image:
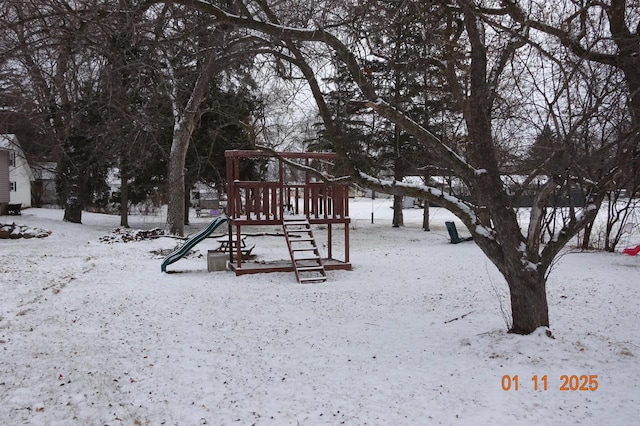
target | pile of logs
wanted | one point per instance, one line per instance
(120, 235)
(13, 231)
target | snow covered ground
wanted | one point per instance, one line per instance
(92, 333)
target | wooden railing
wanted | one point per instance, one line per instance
(269, 202)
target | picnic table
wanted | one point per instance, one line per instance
(228, 245)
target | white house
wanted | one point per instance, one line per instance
(4, 178)
(20, 176)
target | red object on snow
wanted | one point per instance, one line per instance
(632, 251)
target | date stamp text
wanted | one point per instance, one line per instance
(588, 383)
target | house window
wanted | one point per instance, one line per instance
(13, 186)
(12, 158)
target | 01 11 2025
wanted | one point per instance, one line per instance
(567, 382)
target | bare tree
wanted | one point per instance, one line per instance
(600, 32)
(474, 58)
(194, 62)
(47, 43)
(130, 77)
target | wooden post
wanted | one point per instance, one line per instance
(238, 248)
(329, 242)
(281, 189)
(346, 243)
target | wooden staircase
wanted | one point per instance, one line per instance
(303, 250)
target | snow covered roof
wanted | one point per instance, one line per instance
(9, 141)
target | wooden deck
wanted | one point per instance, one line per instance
(253, 267)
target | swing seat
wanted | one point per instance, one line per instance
(453, 234)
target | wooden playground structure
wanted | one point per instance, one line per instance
(294, 199)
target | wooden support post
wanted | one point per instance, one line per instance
(238, 248)
(346, 243)
(329, 242)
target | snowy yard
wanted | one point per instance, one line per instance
(92, 333)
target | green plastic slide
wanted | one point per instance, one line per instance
(188, 245)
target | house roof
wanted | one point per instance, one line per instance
(8, 141)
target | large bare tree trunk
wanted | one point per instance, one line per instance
(177, 157)
(398, 217)
(425, 216)
(183, 129)
(528, 299)
(528, 305)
